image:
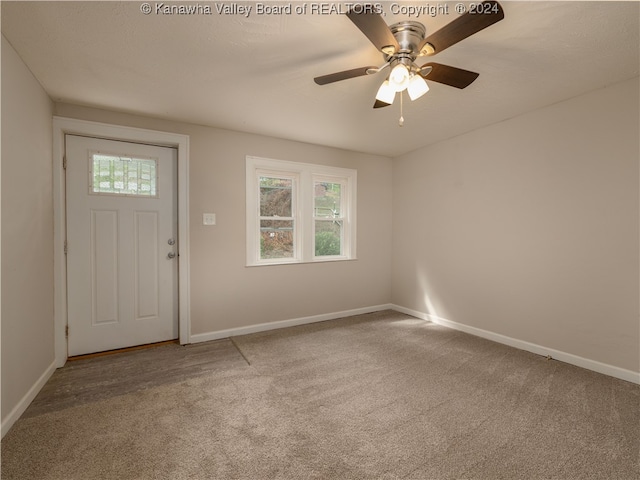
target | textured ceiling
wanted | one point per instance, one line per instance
(255, 73)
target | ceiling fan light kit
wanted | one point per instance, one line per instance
(403, 42)
(417, 87)
(386, 93)
(399, 77)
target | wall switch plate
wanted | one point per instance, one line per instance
(208, 218)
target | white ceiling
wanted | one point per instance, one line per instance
(256, 74)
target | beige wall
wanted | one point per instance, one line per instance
(226, 294)
(529, 228)
(27, 231)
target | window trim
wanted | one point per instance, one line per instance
(304, 222)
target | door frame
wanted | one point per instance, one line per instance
(68, 126)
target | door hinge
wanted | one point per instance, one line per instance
(64, 162)
(66, 331)
(66, 247)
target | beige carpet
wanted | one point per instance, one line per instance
(378, 396)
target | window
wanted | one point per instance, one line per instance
(121, 175)
(298, 212)
(328, 219)
(277, 221)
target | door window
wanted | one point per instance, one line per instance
(122, 175)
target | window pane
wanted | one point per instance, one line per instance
(275, 197)
(327, 199)
(328, 238)
(114, 174)
(276, 239)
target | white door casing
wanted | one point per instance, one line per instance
(122, 268)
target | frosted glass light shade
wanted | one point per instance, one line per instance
(417, 87)
(399, 77)
(386, 93)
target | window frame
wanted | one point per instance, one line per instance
(295, 215)
(305, 176)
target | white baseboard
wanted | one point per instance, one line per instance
(22, 405)
(263, 327)
(617, 372)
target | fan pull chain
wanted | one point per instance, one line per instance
(401, 121)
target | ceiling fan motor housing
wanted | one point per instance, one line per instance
(409, 36)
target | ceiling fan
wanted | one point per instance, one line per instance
(403, 42)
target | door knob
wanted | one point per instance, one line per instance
(171, 255)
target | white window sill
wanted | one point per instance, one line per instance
(299, 262)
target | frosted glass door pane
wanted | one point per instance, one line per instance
(118, 175)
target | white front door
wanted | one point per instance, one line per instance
(122, 268)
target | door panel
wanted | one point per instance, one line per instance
(121, 229)
(146, 265)
(104, 266)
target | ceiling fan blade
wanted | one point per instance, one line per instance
(482, 16)
(452, 76)
(380, 104)
(336, 77)
(374, 27)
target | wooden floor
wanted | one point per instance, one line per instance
(98, 376)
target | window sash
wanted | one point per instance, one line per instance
(324, 239)
(261, 255)
(341, 218)
(277, 237)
